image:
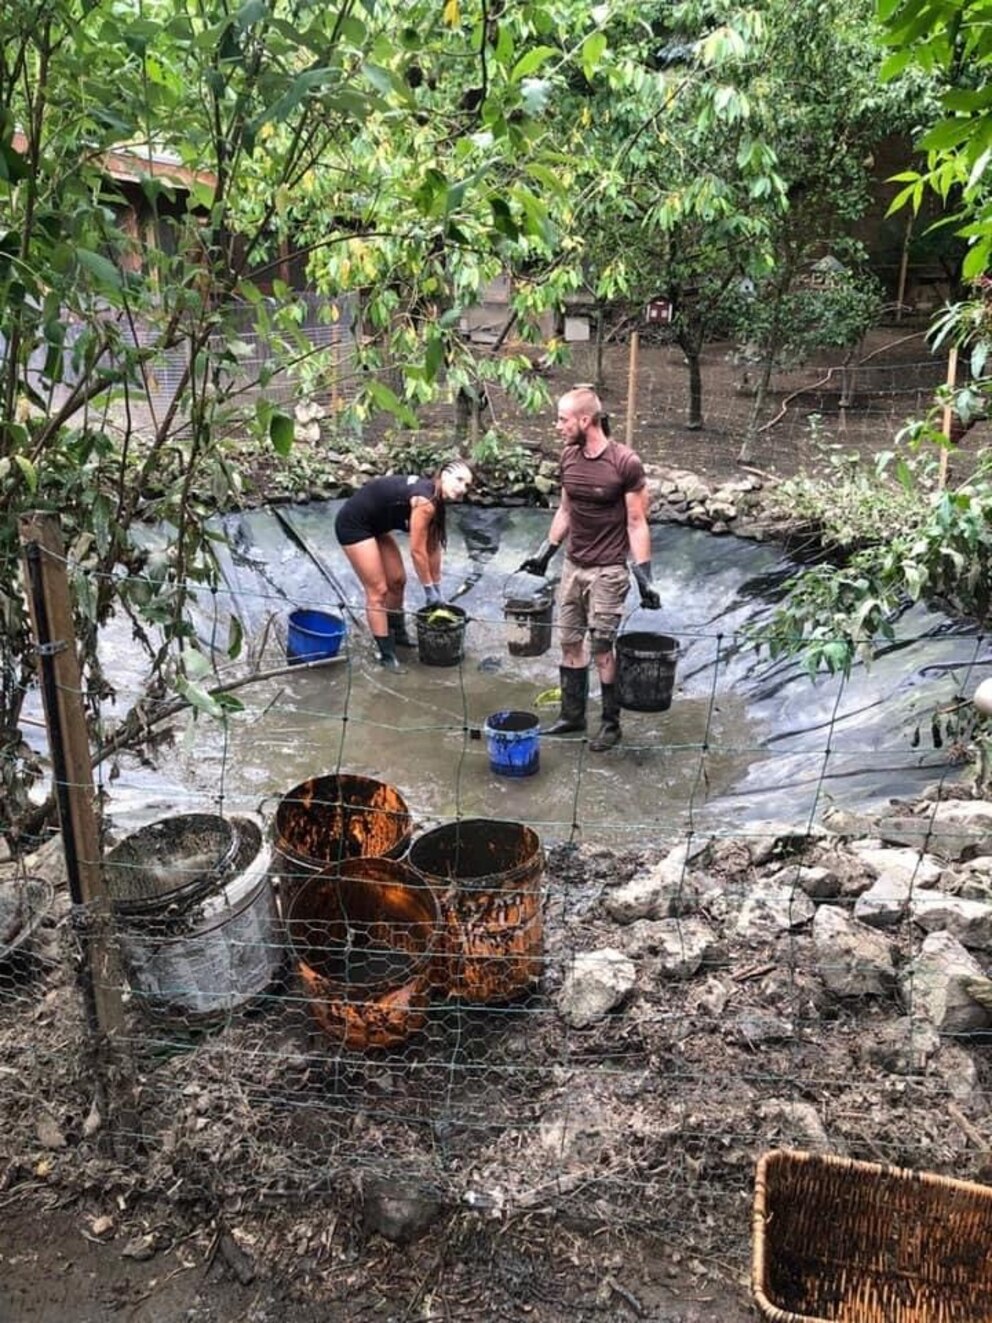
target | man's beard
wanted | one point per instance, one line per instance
(579, 439)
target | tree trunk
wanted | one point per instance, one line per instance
(464, 408)
(761, 391)
(695, 422)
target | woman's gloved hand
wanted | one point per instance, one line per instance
(649, 594)
(432, 594)
(538, 563)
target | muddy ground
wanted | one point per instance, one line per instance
(604, 1173)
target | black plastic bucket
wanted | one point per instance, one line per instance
(331, 818)
(528, 605)
(646, 671)
(441, 635)
(487, 874)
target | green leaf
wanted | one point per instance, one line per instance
(281, 433)
(532, 61)
(103, 272)
(592, 52)
(235, 638)
(195, 664)
(28, 472)
(198, 698)
(433, 358)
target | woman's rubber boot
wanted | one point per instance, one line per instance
(397, 629)
(609, 731)
(574, 694)
(387, 654)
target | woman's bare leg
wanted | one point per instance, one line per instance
(392, 564)
(366, 560)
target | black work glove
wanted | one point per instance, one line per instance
(538, 564)
(649, 594)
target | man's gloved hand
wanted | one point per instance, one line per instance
(649, 594)
(432, 594)
(538, 564)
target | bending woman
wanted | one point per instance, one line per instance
(365, 525)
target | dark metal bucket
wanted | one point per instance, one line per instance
(487, 874)
(328, 819)
(363, 937)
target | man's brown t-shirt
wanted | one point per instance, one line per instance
(596, 489)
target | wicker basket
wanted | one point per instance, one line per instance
(840, 1241)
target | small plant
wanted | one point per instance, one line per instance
(505, 462)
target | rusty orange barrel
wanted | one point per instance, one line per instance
(324, 821)
(487, 875)
(363, 936)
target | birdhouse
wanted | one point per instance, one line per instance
(659, 312)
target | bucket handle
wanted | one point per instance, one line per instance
(629, 616)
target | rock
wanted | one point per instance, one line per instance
(49, 862)
(399, 1209)
(721, 510)
(898, 864)
(819, 883)
(767, 839)
(665, 891)
(960, 828)
(102, 1227)
(595, 983)
(884, 904)
(771, 908)
(970, 921)
(902, 1046)
(852, 960)
(933, 986)
(955, 1065)
(712, 997)
(141, 1248)
(799, 1121)
(49, 1132)
(681, 945)
(754, 1027)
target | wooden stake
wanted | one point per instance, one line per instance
(51, 618)
(904, 267)
(635, 340)
(948, 419)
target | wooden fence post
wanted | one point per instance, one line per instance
(635, 341)
(51, 617)
(947, 422)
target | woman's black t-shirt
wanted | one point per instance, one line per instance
(381, 506)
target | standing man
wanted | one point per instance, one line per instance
(602, 520)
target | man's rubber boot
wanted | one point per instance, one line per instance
(397, 629)
(609, 731)
(574, 693)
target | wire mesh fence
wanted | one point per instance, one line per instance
(351, 947)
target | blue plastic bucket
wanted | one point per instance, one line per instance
(514, 743)
(313, 636)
